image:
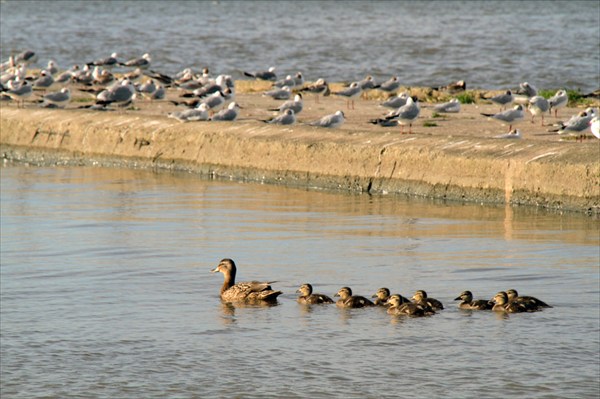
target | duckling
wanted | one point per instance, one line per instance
(307, 297)
(467, 302)
(381, 297)
(502, 304)
(347, 300)
(398, 307)
(253, 291)
(530, 302)
(421, 298)
(383, 294)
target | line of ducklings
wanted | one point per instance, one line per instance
(421, 304)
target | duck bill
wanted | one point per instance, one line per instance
(457, 298)
(216, 269)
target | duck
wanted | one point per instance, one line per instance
(382, 296)
(501, 304)
(421, 298)
(467, 302)
(347, 300)
(530, 302)
(398, 307)
(252, 291)
(308, 298)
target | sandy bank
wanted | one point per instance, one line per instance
(456, 159)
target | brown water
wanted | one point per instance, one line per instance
(106, 292)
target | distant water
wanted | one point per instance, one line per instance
(490, 44)
(105, 292)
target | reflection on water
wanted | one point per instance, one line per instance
(106, 273)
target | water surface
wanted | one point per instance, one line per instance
(106, 292)
(490, 44)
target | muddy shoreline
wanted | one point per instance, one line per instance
(441, 162)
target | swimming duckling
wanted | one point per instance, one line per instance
(381, 297)
(421, 298)
(383, 294)
(398, 307)
(347, 300)
(307, 297)
(530, 302)
(467, 302)
(501, 304)
(252, 291)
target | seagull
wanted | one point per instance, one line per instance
(390, 85)
(52, 68)
(143, 62)
(26, 57)
(406, 114)
(513, 134)
(350, 93)
(290, 81)
(215, 101)
(510, 116)
(277, 93)
(21, 92)
(319, 87)
(196, 114)
(577, 123)
(121, 95)
(525, 93)
(595, 126)
(538, 105)
(108, 62)
(228, 114)
(288, 117)
(396, 101)
(44, 81)
(330, 121)
(503, 99)
(263, 75)
(451, 106)
(58, 99)
(296, 105)
(159, 94)
(557, 101)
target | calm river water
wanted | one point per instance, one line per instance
(106, 292)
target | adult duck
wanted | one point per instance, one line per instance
(308, 298)
(252, 291)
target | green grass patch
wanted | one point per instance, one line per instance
(466, 98)
(429, 124)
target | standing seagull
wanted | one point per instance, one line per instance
(20, 93)
(405, 115)
(538, 105)
(510, 116)
(350, 93)
(319, 87)
(557, 101)
(595, 126)
(503, 99)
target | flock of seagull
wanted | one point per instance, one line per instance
(204, 98)
(420, 304)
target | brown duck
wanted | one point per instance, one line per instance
(252, 291)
